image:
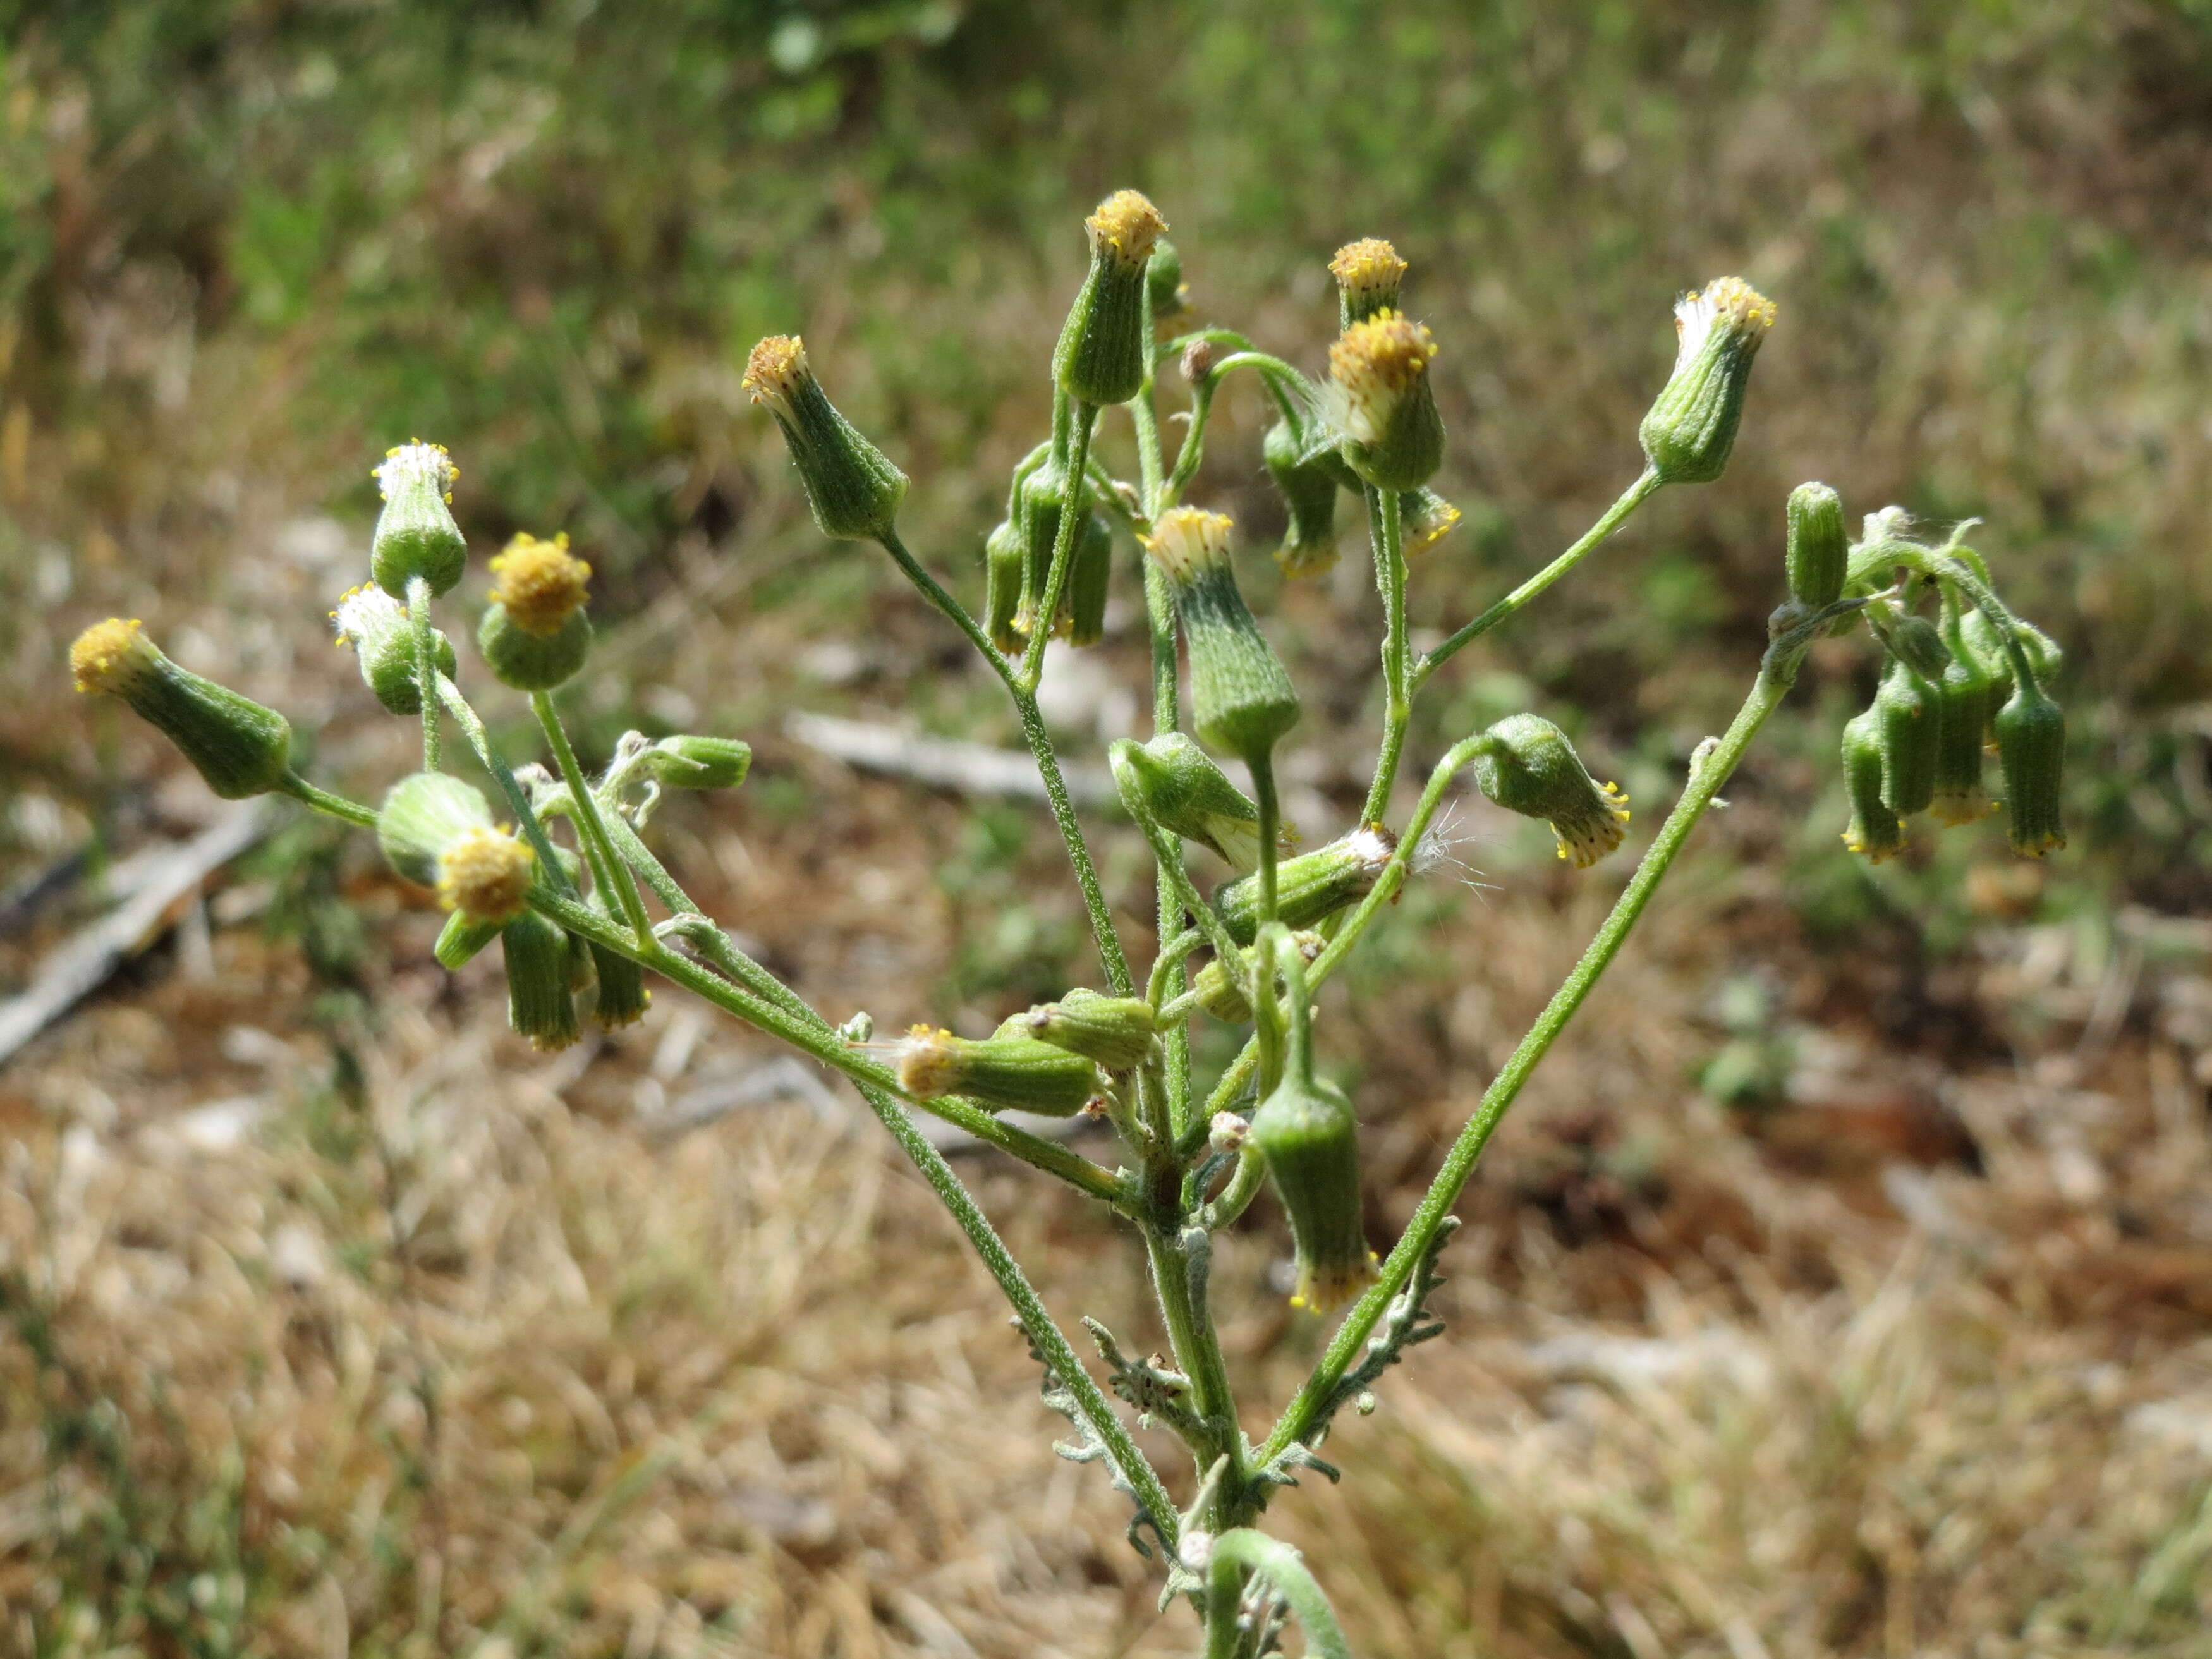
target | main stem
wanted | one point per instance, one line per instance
(426, 665)
(1704, 783)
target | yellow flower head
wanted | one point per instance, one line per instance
(1188, 539)
(485, 876)
(1368, 273)
(1375, 364)
(1728, 304)
(540, 585)
(929, 1063)
(1124, 227)
(776, 372)
(112, 656)
(417, 460)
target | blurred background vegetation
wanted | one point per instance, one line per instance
(246, 245)
(261, 240)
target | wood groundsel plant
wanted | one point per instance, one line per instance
(557, 870)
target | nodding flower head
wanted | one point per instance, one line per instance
(1874, 832)
(1368, 275)
(1125, 229)
(851, 485)
(376, 626)
(238, 747)
(1380, 396)
(1693, 423)
(1427, 519)
(1527, 766)
(484, 876)
(1308, 488)
(540, 583)
(416, 535)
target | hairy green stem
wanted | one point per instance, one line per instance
(1704, 783)
(1103, 932)
(555, 874)
(807, 1030)
(1271, 829)
(426, 665)
(1614, 517)
(1386, 532)
(608, 870)
(322, 800)
(1197, 1349)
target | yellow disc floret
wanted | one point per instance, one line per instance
(110, 655)
(1727, 303)
(1375, 364)
(1368, 268)
(416, 459)
(1188, 539)
(1126, 226)
(541, 585)
(485, 876)
(775, 371)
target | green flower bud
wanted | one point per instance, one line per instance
(241, 747)
(1004, 568)
(1368, 273)
(1114, 1031)
(1526, 766)
(1425, 519)
(1381, 400)
(416, 535)
(1963, 695)
(376, 626)
(460, 938)
(1310, 1140)
(1919, 643)
(1242, 700)
(1103, 352)
(1310, 492)
(1164, 281)
(1874, 833)
(1910, 718)
(1693, 423)
(540, 1002)
(851, 487)
(2031, 732)
(1090, 580)
(1017, 1073)
(536, 635)
(1818, 546)
(692, 761)
(1312, 887)
(621, 997)
(437, 831)
(1174, 783)
(1219, 995)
